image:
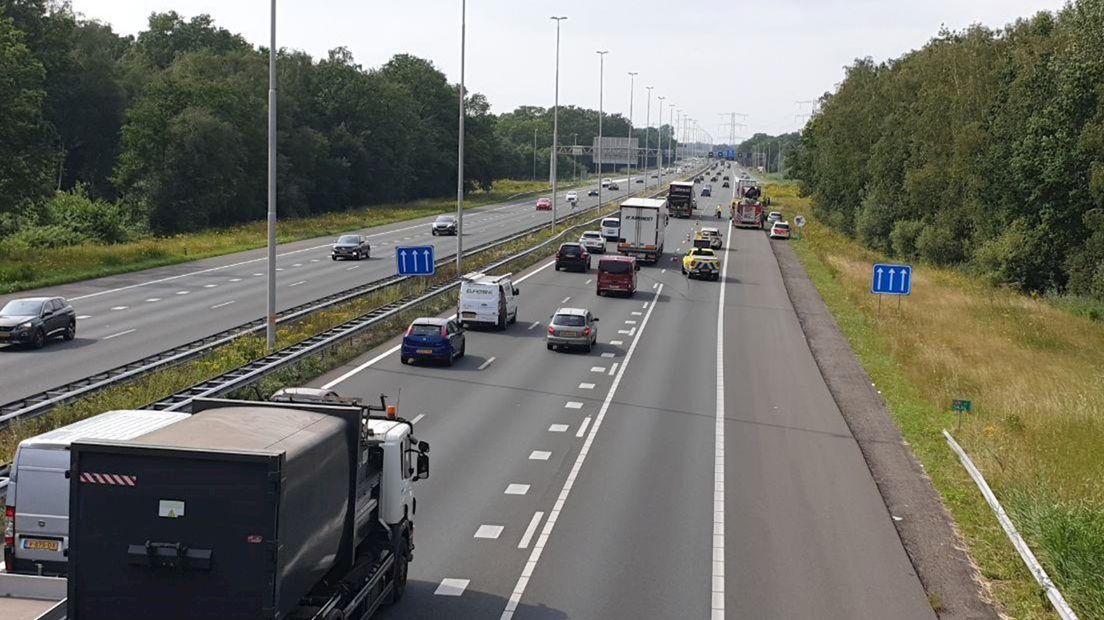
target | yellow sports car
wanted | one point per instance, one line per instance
(702, 263)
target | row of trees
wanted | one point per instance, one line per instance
(104, 136)
(985, 148)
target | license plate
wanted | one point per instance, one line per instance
(468, 315)
(4, 335)
(569, 334)
(41, 545)
(425, 351)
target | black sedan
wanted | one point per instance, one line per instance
(351, 246)
(444, 225)
(613, 186)
(35, 320)
(592, 192)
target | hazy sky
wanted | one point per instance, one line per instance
(707, 57)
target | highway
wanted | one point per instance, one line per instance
(128, 317)
(694, 465)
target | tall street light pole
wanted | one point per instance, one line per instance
(534, 178)
(601, 88)
(670, 136)
(460, 147)
(574, 158)
(270, 324)
(631, 152)
(659, 142)
(556, 122)
(647, 131)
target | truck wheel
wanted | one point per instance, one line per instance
(398, 584)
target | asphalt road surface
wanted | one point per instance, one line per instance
(127, 317)
(694, 465)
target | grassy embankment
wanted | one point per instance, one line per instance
(1035, 374)
(35, 268)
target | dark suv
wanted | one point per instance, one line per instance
(572, 256)
(33, 321)
(351, 246)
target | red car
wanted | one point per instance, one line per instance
(544, 204)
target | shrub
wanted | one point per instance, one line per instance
(92, 219)
(49, 236)
(873, 225)
(1019, 256)
(904, 237)
(939, 245)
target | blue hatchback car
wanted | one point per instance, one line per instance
(433, 339)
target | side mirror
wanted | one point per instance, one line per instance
(595, 319)
(423, 466)
(517, 291)
(423, 446)
(636, 267)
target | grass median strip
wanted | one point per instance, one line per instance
(160, 384)
(1032, 371)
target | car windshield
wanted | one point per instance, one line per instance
(615, 266)
(782, 226)
(21, 307)
(348, 239)
(424, 329)
(569, 249)
(445, 219)
(592, 235)
(611, 223)
(569, 320)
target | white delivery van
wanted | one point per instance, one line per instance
(611, 228)
(38, 492)
(487, 300)
(643, 225)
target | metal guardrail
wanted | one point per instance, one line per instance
(43, 402)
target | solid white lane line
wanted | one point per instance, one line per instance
(613, 369)
(539, 455)
(117, 308)
(417, 418)
(81, 317)
(129, 331)
(597, 369)
(452, 587)
(223, 304)
(553, 515)
(532, 529)
(586, 386)
(535, 323)
(583, 427)
(395, 348)
(486, 363)
(297, 283)
(718, 592)
(517, 489)
(607, 355)
(491, 532)
(574, 405)
(558, 428)
(153, 299)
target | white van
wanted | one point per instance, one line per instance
(611, 228)
(38, 492)
(487, 300)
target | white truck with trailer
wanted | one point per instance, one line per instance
(643, 225)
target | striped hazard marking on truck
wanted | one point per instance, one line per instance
(118, 480)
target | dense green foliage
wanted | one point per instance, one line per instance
(107, 138)
(985, 148)
(772, 153)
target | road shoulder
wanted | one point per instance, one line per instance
(923, 523)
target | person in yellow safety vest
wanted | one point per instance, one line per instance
(719, 210)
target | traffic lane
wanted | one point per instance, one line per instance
(116, 330)
(633, 540)
(484, 427)
(806, 532)
(98, 286)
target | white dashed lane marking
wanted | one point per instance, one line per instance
(557, 428)
(597, 369)
(452, 587)
(153, 299)
(117, 308)
(490, 532)
(82, 317)
(539, 455)
(535, 323)
(222, 305)
(586, 386)
(123, 333)
(607, 355)
(209, 285)
(182, 292)
(574, 405)
(517, 489)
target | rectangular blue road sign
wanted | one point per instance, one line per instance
(891, 279)
(415, 260)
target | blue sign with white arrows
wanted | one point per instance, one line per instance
(891, 279)
(415, 260)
